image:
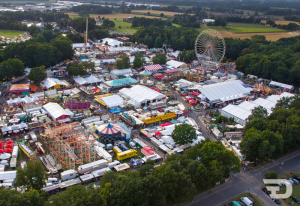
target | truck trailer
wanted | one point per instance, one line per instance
(90, 167)
(68, 175)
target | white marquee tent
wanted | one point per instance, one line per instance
(139, 94)
(225, 91)
(113, 101)
(241, 112)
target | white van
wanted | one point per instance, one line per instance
(113, 164)
(53, 180)
(246, 201)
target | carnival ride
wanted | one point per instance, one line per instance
(70, 143)
(210, 47)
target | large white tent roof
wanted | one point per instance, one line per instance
(8, 175)
(175, 64)
(113, 101)
(243, 110)
(224, 91)
(92, 79)
(118, 72)
(80, 80)
(50, 82)
(141, 93)
(55, 110)
(282, 85)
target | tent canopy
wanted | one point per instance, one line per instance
(113, 101)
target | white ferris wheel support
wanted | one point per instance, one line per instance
(210, 47)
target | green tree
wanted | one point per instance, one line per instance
(258, 112)
(78, 195)
(40, 39)
(31, 177)
(76, 38)
(160, 59)
(184, 134)
(126, 62)
(120, 64)
(11, 68)
(108, 68)
(161, 15)
(137, 62)
(37, 74)
(63, 44)
(158, 42)
(271, 175)
(82, 69)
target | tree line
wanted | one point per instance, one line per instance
(267, 137)
(176, 181)
(179, 38)
(33, 16)
(277, 60)
(92, 9)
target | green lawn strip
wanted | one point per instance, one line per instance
(258, 202)
(11, 33)
(251, 28)
(176, 25)
(296, 189)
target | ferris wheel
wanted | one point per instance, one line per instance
(210, 47)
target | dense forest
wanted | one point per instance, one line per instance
(176, 181)
(267, 137)
(47, 49)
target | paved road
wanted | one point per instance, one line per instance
(194, 116)
(248, 182)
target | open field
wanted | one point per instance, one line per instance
(125, 26)
(283, 22)
(269, 36)
(296, 188)
(111, 16)
(10, 33)
(168, 13)
(250, 12)
(251, 28)
(258, 202)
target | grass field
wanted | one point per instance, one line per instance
(10, 33)
(283, 22)
(250, 12)
(125, 26)
(296, 188)
(251, 28)
(258, 202)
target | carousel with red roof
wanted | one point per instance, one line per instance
(108, 133)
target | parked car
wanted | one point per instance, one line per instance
(266, 191)
(295, 199)
(291, 181)
(276, 201)
(250, 198)
(295, 181)
(296, 177)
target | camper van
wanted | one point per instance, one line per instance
(53, 180)
(126, 154)
(246, 201)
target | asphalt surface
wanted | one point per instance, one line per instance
(248, 182)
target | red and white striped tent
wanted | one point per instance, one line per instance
(108, 129)
(154, 67)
